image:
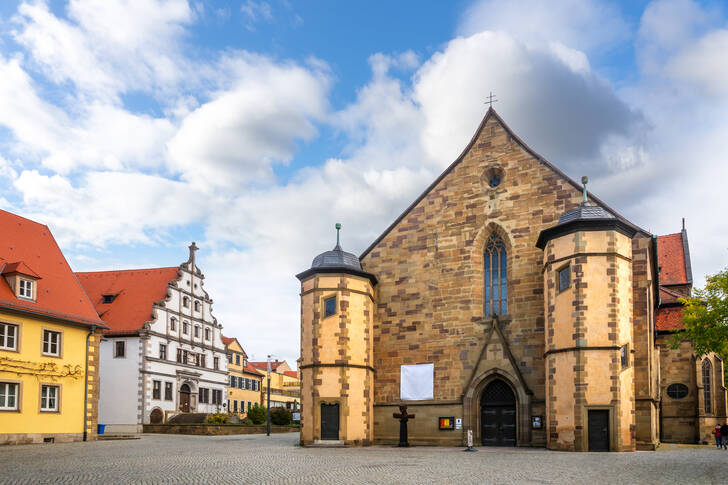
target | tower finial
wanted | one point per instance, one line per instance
(193, 248)
(338, 228)
(584, 181)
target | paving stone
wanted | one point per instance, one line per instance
(277, 459)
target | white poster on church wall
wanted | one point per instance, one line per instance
(417, 382)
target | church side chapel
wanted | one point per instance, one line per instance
(510, 304)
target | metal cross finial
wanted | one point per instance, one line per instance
(584, 181)
(491, 99)
(338, 228)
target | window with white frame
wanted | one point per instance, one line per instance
(9, 396)
(25, 289)
(49, 397)
(8, 336)
(51, 343)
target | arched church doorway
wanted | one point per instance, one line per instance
(498, 414)
(184, 398)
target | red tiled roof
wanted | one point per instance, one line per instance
(24, 243)
(671, 259)
(252, 370)
(227, 340)
(136, 291)
(21, 268)
(669, 318)
(264, 365)
(291, 373)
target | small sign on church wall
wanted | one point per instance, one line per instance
(458, 423)
(536, 422)
(447, 422)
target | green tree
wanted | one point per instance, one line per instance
(705, 317)
(280, 416)
(257, 414)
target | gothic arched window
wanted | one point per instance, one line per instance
(496, 288)
(706, 386)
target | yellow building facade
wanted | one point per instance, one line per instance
(49, 341)
(285, 390)
(244, 388)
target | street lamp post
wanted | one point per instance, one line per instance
(267, 426)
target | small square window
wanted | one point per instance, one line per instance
(329, 306)
(8, 336)
(51, 343)
(49, 398)
(25, 289)
(564, 278)
(108, 299)
(119, 349)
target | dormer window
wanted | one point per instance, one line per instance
(108, 299)
(25, 288)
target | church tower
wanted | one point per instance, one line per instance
(337, 377)
(587, 271)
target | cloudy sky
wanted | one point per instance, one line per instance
(132, 127)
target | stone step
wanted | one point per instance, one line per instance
(328, 444)
(119, 436)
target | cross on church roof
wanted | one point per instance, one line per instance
(491, 99)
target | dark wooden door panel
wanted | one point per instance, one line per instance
(598, 430)
(498, 425)
(329, 421)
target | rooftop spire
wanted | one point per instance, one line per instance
(584, 181)
(491, 99)
(338, 245)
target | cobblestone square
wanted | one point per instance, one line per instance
(257, 459)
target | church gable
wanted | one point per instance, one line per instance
(430, 264)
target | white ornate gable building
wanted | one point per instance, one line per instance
(163, 353)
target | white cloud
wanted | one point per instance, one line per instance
(108, 47)
(256, 122)
(586, 24)
(255, 12)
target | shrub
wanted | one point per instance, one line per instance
(257, 414)
(280, 416)
(218, 418)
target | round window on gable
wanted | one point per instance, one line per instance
(677, 391)
(492, 177)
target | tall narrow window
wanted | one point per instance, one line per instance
(162, 351)
(496, 291)
(8, 336)
(173, 324)
(51, 343)
(216, 363)
(706, 386)
(156, 389)
(119, 349)
(167, 391)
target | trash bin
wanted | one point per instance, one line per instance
(100, 428)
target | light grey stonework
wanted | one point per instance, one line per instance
(277, 459)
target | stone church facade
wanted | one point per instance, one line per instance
(536, 302)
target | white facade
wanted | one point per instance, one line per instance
(180, 353)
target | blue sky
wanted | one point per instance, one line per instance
(132, 128)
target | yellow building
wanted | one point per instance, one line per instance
(245, 381)
(285, 387)
(48, 340)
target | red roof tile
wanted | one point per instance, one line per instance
(264, 365)
(136, 291)
(26, 243)
(21, 268)
(227, 340)
(291, 373)
(669, 318)
(252, 370)
(671, 259)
